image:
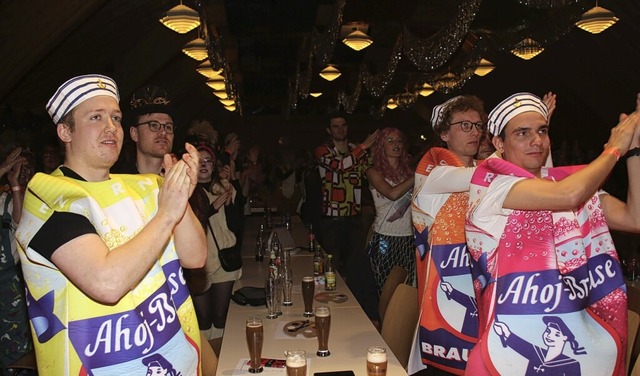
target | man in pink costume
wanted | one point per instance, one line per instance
(550, 291)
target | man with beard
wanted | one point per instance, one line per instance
(152, 129)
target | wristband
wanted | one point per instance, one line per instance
(633, 153)
(613, 151)
(17, 188)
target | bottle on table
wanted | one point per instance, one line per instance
(329, 274)
(318, 262)
(260, 244)
(312, 238)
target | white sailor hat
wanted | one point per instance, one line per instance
(515, 104)
(436, 114)
(77, 90)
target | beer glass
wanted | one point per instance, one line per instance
(376, 361)
(287, 282)
(308, 290)
(296, 363)
(323, 325)
(271, 297)
(255, 337)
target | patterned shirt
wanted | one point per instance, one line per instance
(341, 176)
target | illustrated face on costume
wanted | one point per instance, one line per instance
(205, 170)
(526, 142)
(97, 137)
(463, 143)
(393, 145)
(338, 129)
(150, 143)
(552, 337)
(156, 371)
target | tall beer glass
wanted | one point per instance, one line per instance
(255, 335)
(308, 289)
(323, 325)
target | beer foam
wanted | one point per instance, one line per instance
(377, 357)
(322, 313)
(254, 324)
(296, 361)
(307, 279)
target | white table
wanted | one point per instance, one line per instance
(351, 330)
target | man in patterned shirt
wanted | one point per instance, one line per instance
(342, 166)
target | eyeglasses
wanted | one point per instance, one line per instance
(154, 126)
(466, 125)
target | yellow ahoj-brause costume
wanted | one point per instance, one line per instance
(154, 325)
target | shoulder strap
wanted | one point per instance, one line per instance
(6, 225)
(213, 234)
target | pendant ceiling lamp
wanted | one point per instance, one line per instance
(330, 73)
(217, 83)
(527, 49)
(596, 20)
(196, 49)
(315, 94)
(181, 19)
(230, 108)
(357, 40)
(221, 94)
(426, 90)
(227, 102)
(485, 67)
(392, 104)
(206, 69)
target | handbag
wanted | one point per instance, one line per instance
(253, 296)
(230, 258)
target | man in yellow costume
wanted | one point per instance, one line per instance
(103, 254)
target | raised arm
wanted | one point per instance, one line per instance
(387, 190)
(107, 275)
(625, 216)
(568, 193)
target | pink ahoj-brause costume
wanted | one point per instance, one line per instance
(539, 273)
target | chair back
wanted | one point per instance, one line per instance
(400, 322)
(633, 322)
(396, 276)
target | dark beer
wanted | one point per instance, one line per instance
(308, 289)
(323, 325)
(255, 336)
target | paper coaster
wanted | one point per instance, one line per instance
(306, 328)
(331, 296)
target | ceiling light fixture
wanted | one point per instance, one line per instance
(426, 90)
(484, 67)
(596, 20)
(392, 104)
(357, 40)
(527, 49)
(221, 94)
(181, 19)
(227, 102)
(196, 49)
(230, 108)
(217, 83)
(316, 94)
(330, 73)
(206, 69)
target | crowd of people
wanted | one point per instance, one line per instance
(515, 267)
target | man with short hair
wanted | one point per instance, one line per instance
(541, 249)
(448, 313)
(151, 117)
(102, 254)
(342, 167)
